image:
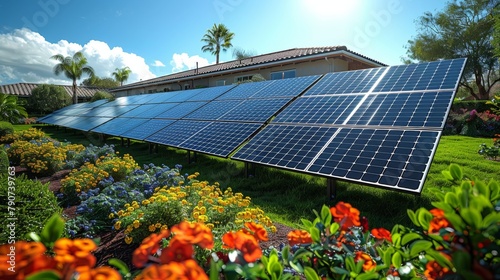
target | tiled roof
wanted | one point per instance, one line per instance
(24, 90)
(296, 53)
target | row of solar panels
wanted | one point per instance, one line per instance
(379, 126)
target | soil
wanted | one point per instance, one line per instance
(111, 244)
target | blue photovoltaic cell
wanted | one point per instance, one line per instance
(219, 138)
(111, 111)
(292, 147)
(443, 74)
(390, 158)
(123, 101)
(118, 126)
(145, 128)
(213, 110)
(162, 97)
(149, 110)
(331, 109)
(211, 93)
(177, 132)
(358, 81)
(184, 95)
(244, 90)
(59, 120)
(417, 109)
(181, 110)
(85, 123)
(255, 110)
(286, 87)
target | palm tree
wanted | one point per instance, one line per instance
(121, 75)
(10, 110)
(73, 68)
(218, 38)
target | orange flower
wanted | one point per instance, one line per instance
(257, 230)
(177, 251)
(245, 243)
(189, 270)
(194, 233)
(382, 233)
(368, 264)
(345, 215)
(75, 252)
(438, 222)
(101, 273)
(150, 245)
(28, 257)
(434, 271)
(299, 236)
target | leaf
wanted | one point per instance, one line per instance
(472, 217)
(368, 276)
(310, 273)
(214, 271)
(285, 253)
(315, 234)
(35, 237)
(490, 219)
(424, 217)
(441, 260)
(120, 265)
(334, 228)
(52, 230)
(482, 188)
(307, 223)
(397, 260)
(44, 275)
(410, 237)
(413, 217)
(326, 216)
(461, 261)
(456, 172)
(452, 199)
(419, 246)
(494, 190)
(447, 175)
(273, 266)
(350, 265)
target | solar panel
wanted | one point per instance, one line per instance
(108, 111)
(417, 109)
(213, 110)
(55, 119)
(332, 109)
(244, 90)
(286, 87)
(117, 126)
(144, 128)
(255, 110)
(184, 95)
(181, 110)
(85, 123)
(149, 110)
(219, 138)
(211, 93)
(346, 82)
(287, 146)
(177, 132)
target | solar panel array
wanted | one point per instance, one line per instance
(377, 126)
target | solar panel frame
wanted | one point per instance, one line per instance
(255, 110)
(213, 110)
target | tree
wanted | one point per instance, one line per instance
(73, 68)
(121, 75)
(463, 29)
(102, 95)
(239, 54)
(496, 32)
(100, 82)
(217, 38)
(48, 98)
(10, 110)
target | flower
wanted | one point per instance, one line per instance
(434, 271)
(299, 236)
(245, 243)
(177, 251)
(103, 272)
(382, 233)
(149, 245)
(438, 222)
(194, 233)
(369, 263)
(189, 270)
(75, 252)
(345, 215)
(258, 231)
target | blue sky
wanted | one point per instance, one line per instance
(157, 37)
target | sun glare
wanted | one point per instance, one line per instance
(336, 8)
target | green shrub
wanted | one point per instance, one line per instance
(46, 99)
(4, 162)
(102, 95)
(29, 202)
(469, 105)
(6, 128)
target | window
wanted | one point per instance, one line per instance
(283, 74)
(220, 83)
(242, 78)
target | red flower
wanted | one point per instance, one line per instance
(299, 236)
(257, 230)
(434, 271)
(438, 222)
(369, 263)
(345, 215)
(177, 251)
(150, 245)
(382, 233)
(364, 224)
(245, 243)
(194, 233)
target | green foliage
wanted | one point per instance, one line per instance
(492, 152)
(10, 109)
(4, 162)
(102, 95)
(495, 104)
(217, 39)
(46, 99)
(29, 202)
(462, 29)
(98, 82)
(121, 75)
(6, 128)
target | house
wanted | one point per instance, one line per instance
(290, 63)
(23, 90)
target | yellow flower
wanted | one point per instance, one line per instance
(145, 202)
(157, 225)
(128, 239)
(111, 215)
(117, 225)
(152, 228)
(136, 223)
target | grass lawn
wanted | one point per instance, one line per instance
(287, 196)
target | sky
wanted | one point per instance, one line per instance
(157, 37)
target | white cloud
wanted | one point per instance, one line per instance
(25, 57)
(183, 61)
(158, 64)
